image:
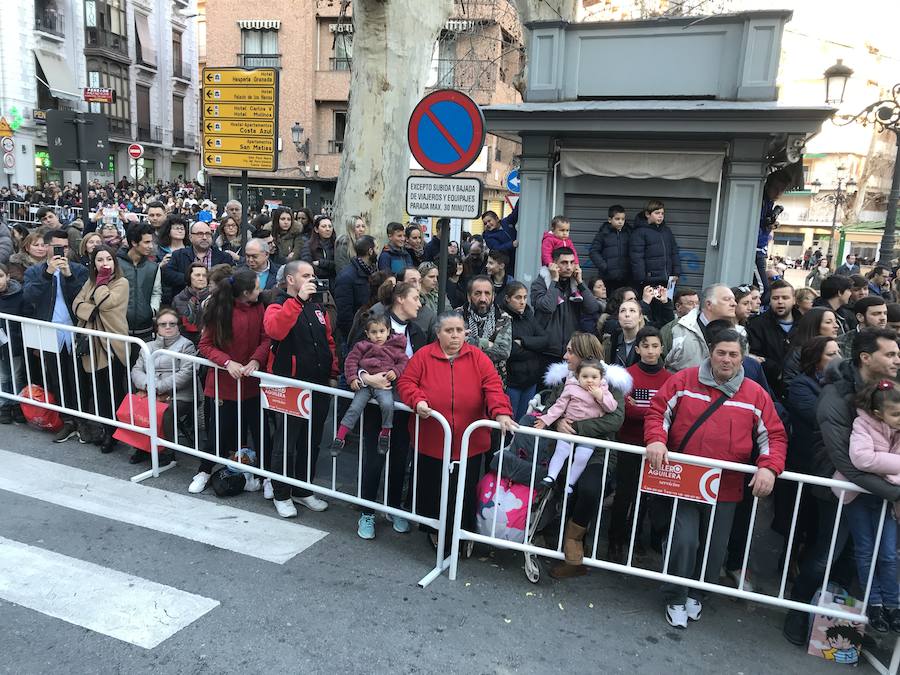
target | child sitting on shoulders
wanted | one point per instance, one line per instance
(379, 353)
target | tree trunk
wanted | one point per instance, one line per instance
(393, 43)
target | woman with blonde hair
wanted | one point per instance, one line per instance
(618, 346)
(344, 248)
(804, 299)
(32, 252)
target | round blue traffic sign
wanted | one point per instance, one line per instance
(446, 132)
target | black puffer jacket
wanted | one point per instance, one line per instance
(524, 363)
(653, 252)
(610, 253)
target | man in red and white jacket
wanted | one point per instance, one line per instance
(745, 421)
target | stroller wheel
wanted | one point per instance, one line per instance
(532, 568)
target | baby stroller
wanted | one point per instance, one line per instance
(505, 497)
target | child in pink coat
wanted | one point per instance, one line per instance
(583, 398)
(557, 237)
(875, 448)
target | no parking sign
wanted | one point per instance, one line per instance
(446, 132)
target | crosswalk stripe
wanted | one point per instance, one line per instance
(123, 606)
(226, 527)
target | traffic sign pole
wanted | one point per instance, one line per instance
(245, 202)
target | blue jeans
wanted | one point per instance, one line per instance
(12, 376)
(519, 398)
(863, 514)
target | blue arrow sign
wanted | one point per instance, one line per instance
(512, 182)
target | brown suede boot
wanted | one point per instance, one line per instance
(573, 547)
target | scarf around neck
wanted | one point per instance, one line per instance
(481, 326)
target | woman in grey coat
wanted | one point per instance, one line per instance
(173, 379)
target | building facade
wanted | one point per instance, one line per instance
(144, 50)
(311, 42)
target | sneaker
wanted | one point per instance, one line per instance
(285, 508)
(68, 431)
(735, 577)
(252, 483)
(139, 456)
(401, 525)
(384, 444)
(6, 416)
(878, 619)
(366, 526)
(268, 490)
(336, 446)
(677, 616)
(694, 609)
(198, 484)
(796, 628)
(312, 502)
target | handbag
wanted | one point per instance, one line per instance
(82, 343)
(136, 410)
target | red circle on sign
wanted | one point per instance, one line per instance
(135, 151)
(303, 402)
(469, 154)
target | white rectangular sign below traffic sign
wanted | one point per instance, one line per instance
(443, 197)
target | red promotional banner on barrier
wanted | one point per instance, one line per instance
(682, 480)
(291, 400)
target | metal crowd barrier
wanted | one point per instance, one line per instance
(42, 354)
(591, 559)
(26, 213)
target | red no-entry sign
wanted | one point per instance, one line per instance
(135, 151)
(446, 132)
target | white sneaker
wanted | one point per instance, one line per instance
(285, 508)
(677, 616)
(312, 502)
(693, 608)
(268, 490)
(198, 484)
(251, 483)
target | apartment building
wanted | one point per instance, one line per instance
(311, 42)
(143, 50)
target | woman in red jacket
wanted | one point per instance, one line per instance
(233, 338)
(460, 382)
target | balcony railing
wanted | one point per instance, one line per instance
(259, 60)
(150, 133)
(49, 21)
(182, 69)
(180, 139)
(465, 74)
(335, 147)
(95, 39)
(339, 63)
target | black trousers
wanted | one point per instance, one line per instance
(222, 422)
(108, 398)
(628, 475)
(295, 439)
(397, 459)
(815, 558)
(587, 495)
(428, 490)
(59, 379)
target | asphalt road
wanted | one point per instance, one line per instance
(340, 604)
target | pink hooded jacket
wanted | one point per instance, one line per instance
(875, 448)
(576, 403)
(550, 242)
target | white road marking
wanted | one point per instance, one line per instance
(226, 527)
(123, 606)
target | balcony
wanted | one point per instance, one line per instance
(337, 63)
(259, 60)
(469, 75)
(335, 147)
(182, 70)
(116, 45)
(50, 21)
(152, 134)
(180, 139)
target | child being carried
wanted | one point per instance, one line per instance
(583, 398)
(379, 353)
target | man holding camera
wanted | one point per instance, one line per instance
(302, 348)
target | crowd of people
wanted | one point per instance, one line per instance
(777, 376)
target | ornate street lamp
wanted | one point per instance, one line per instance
(885, 116)
(301, 147)
(843, 193)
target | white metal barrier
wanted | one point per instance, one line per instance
(591, 559)
(281, 474)
(44, 364)
(26, 213)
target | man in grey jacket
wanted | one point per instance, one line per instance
(875, 356)
(686, 345)
(489, 327)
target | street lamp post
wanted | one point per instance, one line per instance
(842, 194)
(885, 116)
